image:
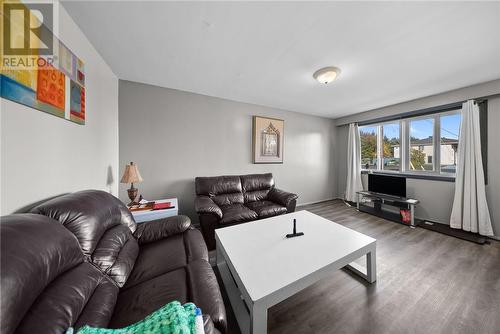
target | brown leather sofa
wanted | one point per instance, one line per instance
(81, 259)
(229, 200)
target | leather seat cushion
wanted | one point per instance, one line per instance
(194, 283)
(257, 195)
(254, 182)
(236, 213)
(163, 256)
(228, 199)
(266, 208)
(136, 303)
(216, 185)
(256, 186)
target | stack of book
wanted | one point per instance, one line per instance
(149, 206)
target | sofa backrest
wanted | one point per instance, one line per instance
(225, 190)
(256, 186)
(103, 226)
(46, 284)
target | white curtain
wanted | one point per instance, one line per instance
(353, 164)
(470, 210)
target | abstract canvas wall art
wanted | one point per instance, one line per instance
(54, 83)
(268, 138)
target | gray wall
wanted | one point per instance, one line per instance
(43, 156)
(437, 196)
(175, 136)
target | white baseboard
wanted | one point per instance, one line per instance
(497, 238)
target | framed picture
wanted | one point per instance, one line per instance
(267, 140)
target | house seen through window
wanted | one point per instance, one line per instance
(424, 144)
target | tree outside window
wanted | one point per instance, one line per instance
(368, 137)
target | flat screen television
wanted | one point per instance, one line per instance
(387, 184)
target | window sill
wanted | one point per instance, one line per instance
(433, 177)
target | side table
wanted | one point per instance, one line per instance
(144, 216)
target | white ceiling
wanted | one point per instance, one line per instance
(266, 52)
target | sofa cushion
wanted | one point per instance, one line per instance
(228, 199)
(137, 302)
(236, 213)
(167, 255)
(223, 190)
(194, 283)
(266, 208)
(256, 186)
(216, 185)
(103, 226)
(46, 285)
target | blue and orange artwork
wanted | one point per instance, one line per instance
(13, 86)
(55, 87)
(77, 103)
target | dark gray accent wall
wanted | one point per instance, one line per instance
(175, 136)
(437, 196)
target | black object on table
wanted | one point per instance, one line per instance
(295, 233)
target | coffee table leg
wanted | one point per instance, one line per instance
(368, 272)
(258, 323)
(371, 265)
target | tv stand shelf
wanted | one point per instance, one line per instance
(379, 199)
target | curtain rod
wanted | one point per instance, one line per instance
(425, 111)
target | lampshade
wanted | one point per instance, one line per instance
(131, 174)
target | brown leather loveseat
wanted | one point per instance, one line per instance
(228, 200)
(81, 259)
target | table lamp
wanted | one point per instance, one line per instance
(131, 175)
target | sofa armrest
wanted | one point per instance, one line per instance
(281, 197)
(161, 228)
(204, 204)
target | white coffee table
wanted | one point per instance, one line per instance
(260, 267)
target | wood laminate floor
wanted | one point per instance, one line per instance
(426, 283)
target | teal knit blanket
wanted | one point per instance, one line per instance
(172, 318)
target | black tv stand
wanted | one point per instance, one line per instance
(379, 199)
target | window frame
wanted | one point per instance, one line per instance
(377, 133)
(435, 124)
(380, 146)
(404, 146)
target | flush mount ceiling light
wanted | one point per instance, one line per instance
(326, 75)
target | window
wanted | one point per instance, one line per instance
(368, 136)
(421, 144)
(424, 144)
(391, 152)
(449, 129)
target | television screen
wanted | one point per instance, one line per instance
(386, 184)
